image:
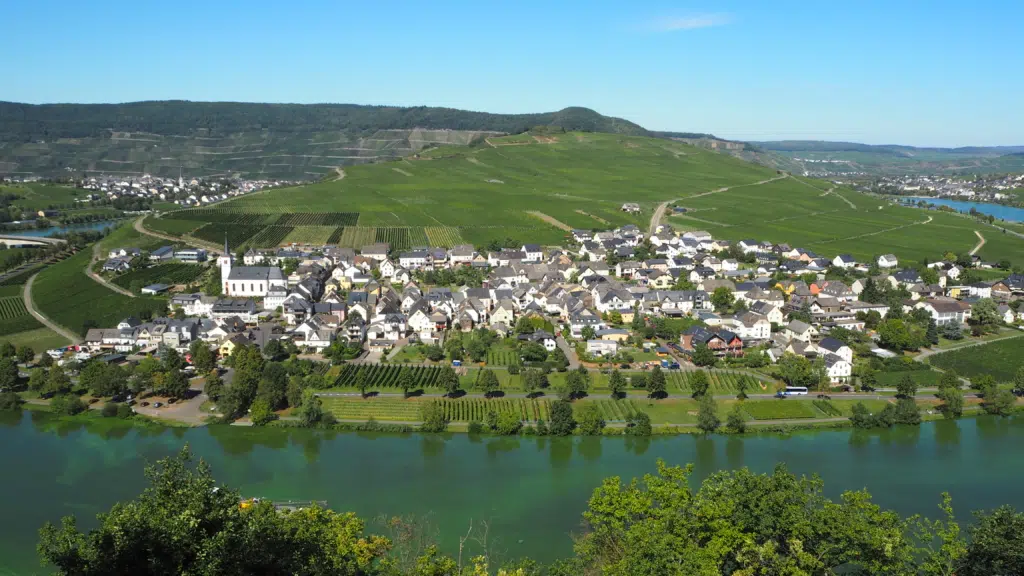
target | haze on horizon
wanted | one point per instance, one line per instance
(935, 74)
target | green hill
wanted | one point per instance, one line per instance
(532, 188)
(289, 141)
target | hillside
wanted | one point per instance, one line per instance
(854, 159)
(289, 141)
(524, 188)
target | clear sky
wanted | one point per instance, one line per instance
(927, 73)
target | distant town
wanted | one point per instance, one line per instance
(974, 188)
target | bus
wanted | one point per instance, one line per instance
(796, 391)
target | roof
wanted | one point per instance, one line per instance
(255, 273)
(831, 344)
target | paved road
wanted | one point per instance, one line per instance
(32, 239)
(26, 295)
(570, 352)
(88, 272)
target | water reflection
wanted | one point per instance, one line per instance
(994, 427)
(589, 448)
(947, 433)
(561, 452)
(705, 447)
(638, 444)
(734, 452)
(432, 446)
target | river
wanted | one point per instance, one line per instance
(532, 490)
(54, 230)
(1010, 213)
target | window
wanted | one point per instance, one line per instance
(234, 287)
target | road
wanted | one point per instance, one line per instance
(659, 212)
(26, 295)
(190, 241)
(981, 242)
(570, 352)
(32, 239)
(99, 279)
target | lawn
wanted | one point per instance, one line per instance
(1001, 359)
(780, 409)
(923, 378)
(70, 298)
(38, 339)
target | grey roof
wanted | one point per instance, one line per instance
(255, 273)
(831, 344)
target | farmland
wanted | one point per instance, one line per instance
(722, 382)
(385, 377)
(73, 300)
(14, 317)
(780, 410)
(476, 409)
(162, 273)
(1001, 359)
(923, 378)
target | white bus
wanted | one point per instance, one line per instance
(796, 391)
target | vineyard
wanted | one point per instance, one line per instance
(349, 408)
(617, 410)
(780, 410)
(14, 317)
(270, 237)
(443, 236)
(357, 236)
(236, 234)
(398, 238)
(502, 357)
(162, 273)
(319, 219)
(379, 376)
(316, 235)
(476, 409)
(722, 381)
(336, 235)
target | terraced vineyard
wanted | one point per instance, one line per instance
(443, 236)
(722, 381)
(503, 357)
(270, 237)
(385, 376)
(14, 317)
(171, 273)
(397, 409)
(398, 238)
(617, 410)
(316, 235)
(236, 234)
(476, 409)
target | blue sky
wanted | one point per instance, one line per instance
(931, 73)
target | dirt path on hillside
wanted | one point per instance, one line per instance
(659, 212)
(340, 172)
(189, 240)
(900, 227)
(556, 223)
(981, 242)
(26, 295)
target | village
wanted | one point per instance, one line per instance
(613, 298)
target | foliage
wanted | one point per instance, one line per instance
(999, 401)
(10, 401)
(639, 424)
(735, 421)
(656, 383)
(487, 382)
(562, 421)
(1002, 359)
(907, 387)
(703, 356)
(67, 405)
(984, 312)
(434, 418)
(589, 419)
(262, 412)
(699, 382)
(707, 414)
(617, 384)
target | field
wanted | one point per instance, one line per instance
(722, 382)
(501, 356)
(170, 273)
(470, 409)
(385, 376)
(476, 195)
(14, 317)
(38, 339)
(70, 298)
(922, 377)
(1001, 359)
(397, 409)
(39, 196)
(780, 410)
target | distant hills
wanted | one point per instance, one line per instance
(291, 141)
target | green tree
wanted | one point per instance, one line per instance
(741, 387)
(639, 424)
(450, 381)
(214, 385)
(656, 383)
(262, 412)
(1018, 382)
(57, 382)
(37, 380)
(699, 383)
(361, 382)
(589, 419)
(312, 413)
(8, 374)
(999, 401)
(638, 380)
(202, 357)
(406, 381)
(434, 417)
(175, 384)
(487, 382)
(45, 360)
(996, 544)
(273, 350)
(722, 299)
(907, 386)
(189, 524)
(735, 421)
(588, 333)
(953, 401)
(508, 423)
(26, 354)
(985, 312)
(861, 417)
(796, 370)
(907, 412)
(67, 405)
(707, 414)
(10, 401)
(932, 333)
(296, 389)
(703, 356)
(893, 334)
(617, 384)
(949, 379)
(558, 360)
(7, 350)
(172, 360)
(562, 420)
(453, 348)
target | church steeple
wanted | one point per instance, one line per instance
(226, 251)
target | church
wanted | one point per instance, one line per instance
(248, 281)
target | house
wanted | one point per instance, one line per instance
(888, 261)
(722, 342)
(772, 313)
(162, 254)
(844, 261)
(616, 334)
(839, 369)
(504, 312)
(154, 289)
(533, 252)
(461, 255)
(802, 331)
(191, 255)
(837, 347)
(602, 347)
(946, 311)
(413, 260)
(228, 346)
(1006, 314)
(128, 253)
(117, 264)
(387, 268)
(631, 207)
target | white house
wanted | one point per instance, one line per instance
(946, 312)
(839, 369)
(844, 261)
(533, 252)
(888, 261)
(602, 347)
(413, 260)
(797, 330)
(838, 348)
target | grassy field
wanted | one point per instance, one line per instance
(480, 194)
(38, 339)
(169, 273)
(70, 298)
(39, 196)
(1001, 359)
(922, 377)
(780, 410)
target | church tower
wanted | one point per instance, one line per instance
(224, 263)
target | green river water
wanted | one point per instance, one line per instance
(531, 490)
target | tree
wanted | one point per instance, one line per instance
(67, 405)
(617, 384)
(982, 382)
(37, 380)
(588, 333)
(796, 370)
(202, 357)
(996, 544)
(952, 331)
(907, 386)
(735, 421)
(26, 354)
(907, 412)
(558, 359)
(312, 414)
(172, 360)
(262, 412)
(453, 348)
(214, 386)
(45, 360)
(7, 350)
(871, 293)
(305, 541)
(932, 333)
(741, 387)
(361, 382)
(985, 312)
(656, 383)
(893, 334)
(703, 356)
(406, 381)
(999, 401)
(175, 384)
(639, 424)
(577, 383)
(638, 380)
(562, 420)
(434, 353)
(524, 326)
(8, 374)
(57, 382)
(487, 382)
(949, 379)
(1018, 382)
(533, 352)
(10, 401)
(707, 414)
(699, 383)
(638, 320)
(590, 421)
(722, 299)
(434, 418)
(450, 381)
(953, 401)
(755, 359)
(477, 350)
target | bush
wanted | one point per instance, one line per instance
(67, 405)
(109, 410)
(124, 411)
(475, 427)
(10, 401)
